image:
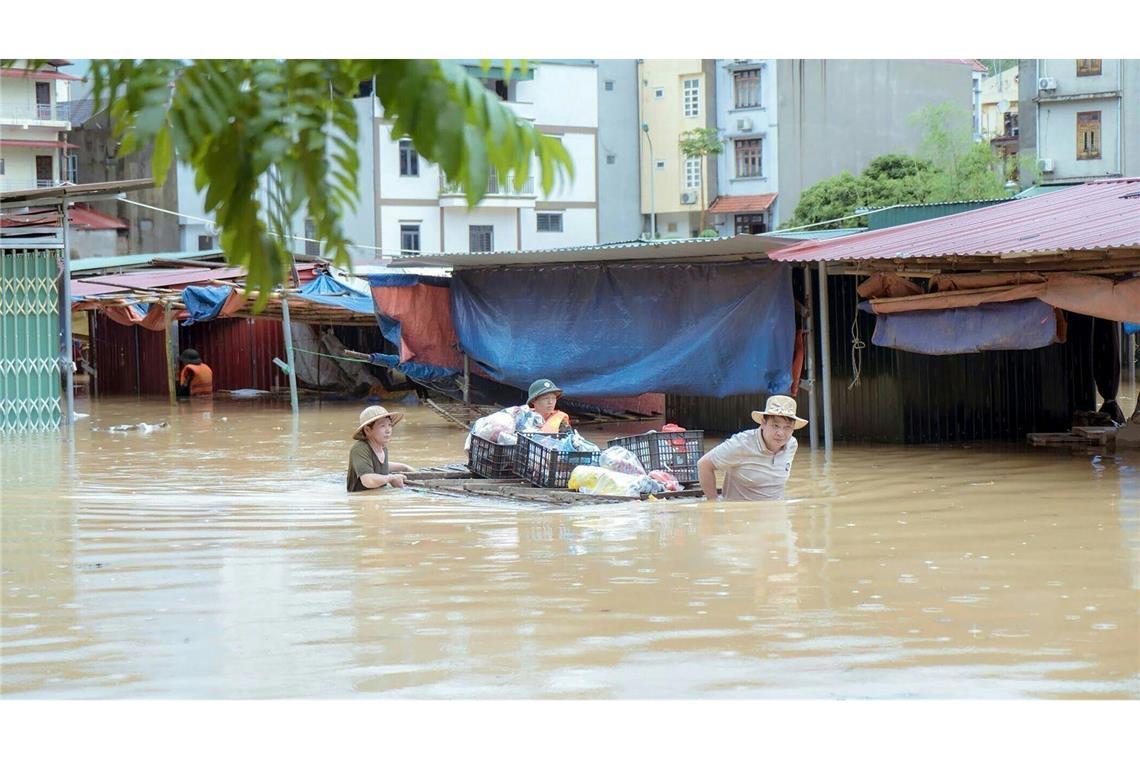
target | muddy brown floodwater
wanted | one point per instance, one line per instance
(220, 557)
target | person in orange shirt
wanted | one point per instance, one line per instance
(196, 378)
(542, 398)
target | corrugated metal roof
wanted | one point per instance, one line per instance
(735, 247)
(1102, 215)
(165, 278)
(137, 259)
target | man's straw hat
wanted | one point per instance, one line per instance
(779, 406)
(370, 415)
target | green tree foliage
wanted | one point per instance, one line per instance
(701, 143)
(286, 129)
(950, 167)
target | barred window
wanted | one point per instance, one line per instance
(748, 158)
(549, 222)
(692, 173)
(747, 87)
(1088, 135)
(409, 160)
(691, 90)
(1088, 67)
(481, 238)
(409, 239)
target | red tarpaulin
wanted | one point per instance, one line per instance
(424, 313)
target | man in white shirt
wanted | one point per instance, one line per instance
(757, 462)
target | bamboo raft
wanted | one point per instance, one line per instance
(457, 480)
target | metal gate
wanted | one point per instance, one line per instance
(29, 340)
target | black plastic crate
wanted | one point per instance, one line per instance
(657, 451)
(547, 468)
(490, 460)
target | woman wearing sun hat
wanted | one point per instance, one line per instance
(368, 463)
(756, 463)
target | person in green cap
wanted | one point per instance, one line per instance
(542, 398)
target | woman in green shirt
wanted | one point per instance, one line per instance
(368, 463)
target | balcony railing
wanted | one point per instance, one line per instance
(7, 183)
(495, 186)
(35, 111)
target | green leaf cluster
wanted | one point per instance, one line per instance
(950, 166)
(270, 141)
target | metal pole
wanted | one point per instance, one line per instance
(66, 364)
(809, 339)
(825, 357)
(652, 202)
(288, 330)
(466, 379)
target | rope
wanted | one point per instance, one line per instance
(857, 345)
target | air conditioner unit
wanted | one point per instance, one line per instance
(1047, 84)
(744, 125)
(1045, 165)
(689, 198)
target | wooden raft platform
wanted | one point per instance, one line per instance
(1084, 439)
(457, 480)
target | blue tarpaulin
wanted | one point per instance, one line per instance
(331, 292)
(619, 330)
(424, 373)
(204, 302)
(988, 327)
(1130, 327)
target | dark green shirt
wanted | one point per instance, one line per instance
(362, 461)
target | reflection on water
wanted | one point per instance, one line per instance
(220, 557)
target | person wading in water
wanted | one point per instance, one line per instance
(756, 462)
(368, 463)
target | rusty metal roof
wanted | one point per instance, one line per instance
(1097, 216)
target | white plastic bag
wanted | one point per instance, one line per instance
(620, 459)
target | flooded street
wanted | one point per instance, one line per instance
(220, 557)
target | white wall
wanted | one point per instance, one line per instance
(1057, 138)
(391, 217)
(579, 227)
(562, 95)
(360, 223)
(457, 219)
(392, 185)
(584, 186)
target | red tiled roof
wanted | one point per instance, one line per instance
(90, 219)
(1099, 215)
(742, 204)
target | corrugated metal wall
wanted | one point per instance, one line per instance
(903, 397)
(892, 217)
(239, 351)
(132, 360)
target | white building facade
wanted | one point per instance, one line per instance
(1078, 118)
(34, 123)
(747, 170)
(416, 208)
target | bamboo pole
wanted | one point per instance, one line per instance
(287, 328)
(171, 353)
